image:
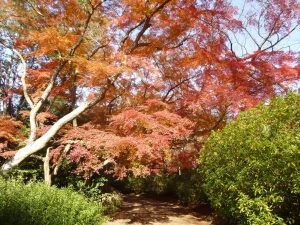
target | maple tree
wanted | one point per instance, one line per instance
(136, 141)
(103, 62)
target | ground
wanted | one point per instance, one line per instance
(141, 210)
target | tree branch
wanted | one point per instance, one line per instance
(146, 22)
(96, 50)
(23, 77)
(37, 106)
(41, 142)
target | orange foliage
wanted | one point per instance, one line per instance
(175, 71)
(9, 132)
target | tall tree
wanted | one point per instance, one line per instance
(118, 54)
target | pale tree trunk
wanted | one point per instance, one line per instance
(47, 172)
(41, 142)
(75, 124)
(46, 165)
(35, 107)
(35, 145)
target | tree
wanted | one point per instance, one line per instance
(136, 141)
(118, 54)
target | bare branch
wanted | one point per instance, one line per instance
(252, 38)
(47, 173)
(176, 86)
(271, 31)
(146, 25)
(96, 50)
(215, 125)
(282, 38)
(132, 29)
(140, 34)
(42, 142)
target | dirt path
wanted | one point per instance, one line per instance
(138, 210)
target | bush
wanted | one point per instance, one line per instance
(37, 204)
(251, 167)
(91, 189)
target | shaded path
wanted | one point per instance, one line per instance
(139, 210)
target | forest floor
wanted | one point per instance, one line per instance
(142, 210)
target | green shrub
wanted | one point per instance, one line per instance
(91, 189)
(251, 167)
(37, 204)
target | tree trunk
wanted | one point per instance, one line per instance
(41, 142)
(47, 173)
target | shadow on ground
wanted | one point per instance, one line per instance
(148, 211)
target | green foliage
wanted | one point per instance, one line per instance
(25, 132)
(26, 175)
(91, 189)
(131, 184)
(185, 187)
(31, 169)
(37, 204)
(251, 167)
